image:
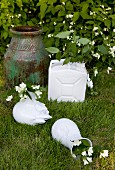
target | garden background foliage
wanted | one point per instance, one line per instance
(51, 15)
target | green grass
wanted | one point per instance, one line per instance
(24, 147)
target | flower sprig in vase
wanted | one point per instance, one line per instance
(24, 91)
(84, 151)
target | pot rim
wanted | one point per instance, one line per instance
(26, 30)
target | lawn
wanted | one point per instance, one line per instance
(24, 147)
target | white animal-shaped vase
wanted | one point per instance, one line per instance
(30, 111)
(66, 131)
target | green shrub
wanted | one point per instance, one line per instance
(54, 16)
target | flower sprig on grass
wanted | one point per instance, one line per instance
(24, 91)
(83, 150)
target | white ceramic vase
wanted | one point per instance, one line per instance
(30, 112)
(66, 131)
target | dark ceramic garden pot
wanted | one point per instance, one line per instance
(26, 58)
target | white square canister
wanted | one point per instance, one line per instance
(67, 82)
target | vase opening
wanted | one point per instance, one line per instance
(26, 28)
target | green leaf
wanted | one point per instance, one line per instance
(104, 58)
(58, 56)
(43, 10)
(85, 142)
(112, 16)
(84, 41)
(90, 22)
(5, 34)
(75, 16)
(52, 50)
(69, 6)
(67, 60)
(102, 48)
(107, 23)
(75, 38)
(85, 49)
(63, 34)
(113, 60)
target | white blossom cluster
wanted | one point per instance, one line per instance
(50, 35)
(112, 51)
(87, 154)
(23, 91)
(89, 82)
(69, 16)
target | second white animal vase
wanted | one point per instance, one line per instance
(67, 132)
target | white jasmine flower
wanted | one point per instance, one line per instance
(50, 55)
(95, 28)
(102, 6)
(71, 23)
(22, 97)
(40, 22)
(63, 3)
(96, 55)
(19, 15)
(95, 72)
(38, 93)
(79, 51)
(69, 16)
(108, 8)
(105, 29)
(84, 153)
(113, 30)
(89, 159)
(35, 87)
(101, 32)
(85, 161)
(91, 13)
(104, 154)
(70, 26)
(7, 45)
(30, 12)
(109, 69)
(69, 37)
(78, 44)
(9, 98)
(12, 25)
(55, 23)
(72, 31)
(90, 84)
(63, 48)
(64, 22)
(23, 85)
(49, 35)
(90, 151)
(18, 89)
(92, 42)
(21, 88)
(72, 42)
(77, 142)
(106, 38)
(96, 33)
